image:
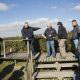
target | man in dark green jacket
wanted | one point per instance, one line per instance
(62, 35)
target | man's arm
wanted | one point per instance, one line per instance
(35, 28)
(44, 35)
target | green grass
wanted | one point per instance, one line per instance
(7, 72)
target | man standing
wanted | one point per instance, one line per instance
(62, 35)
(76, 36)
(76, 33)
(49, 35)
(27, 33)
(76, 40)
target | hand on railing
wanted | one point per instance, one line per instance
(44, 36)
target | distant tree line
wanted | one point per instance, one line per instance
(20, 46)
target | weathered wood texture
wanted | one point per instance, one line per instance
(69, 57)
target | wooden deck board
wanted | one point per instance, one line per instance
(16, 56)
(41, 66)
(43, 58)
(46, 75)
(69, 57)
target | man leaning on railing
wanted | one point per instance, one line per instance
(27, 33)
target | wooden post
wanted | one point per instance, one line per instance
(4, 49)
(32, 68)
(15, 62)
(28, 67)
(10, 50)
(60, 78)
(25, 73)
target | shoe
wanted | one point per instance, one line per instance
(54, 56)
(63, 57)
(47, 56)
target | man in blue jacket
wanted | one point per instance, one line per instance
(27, 33)
(49, 35)
(76, 40)
(76, 32)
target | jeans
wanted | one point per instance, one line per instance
(76, 43)
(77, 46)
(75, 76)
(32, 44)
(50, 46)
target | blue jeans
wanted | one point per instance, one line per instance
(75, 76)
(50, 46)
(76, 43)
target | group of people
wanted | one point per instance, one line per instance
(50, 34)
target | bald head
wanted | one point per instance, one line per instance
(49, 25)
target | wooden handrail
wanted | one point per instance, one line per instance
(4, 49)
(17, 40)
(4, 41)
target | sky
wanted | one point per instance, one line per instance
(13, 14)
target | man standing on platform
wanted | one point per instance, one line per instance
(27, 33)
(62, 35)
(49, 35)
(76, 40)
(76, 36)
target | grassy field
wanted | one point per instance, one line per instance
(7, 72)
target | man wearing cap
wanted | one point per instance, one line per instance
(27, 33)
(62, 35)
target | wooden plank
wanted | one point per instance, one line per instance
(46, 75)
(54, 65)
(20, 56)
(17, 40)
(69, 57)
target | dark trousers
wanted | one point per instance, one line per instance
(32, 44)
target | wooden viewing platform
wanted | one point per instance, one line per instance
(42, 67)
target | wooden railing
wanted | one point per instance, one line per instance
(30, 61)
(4, 46)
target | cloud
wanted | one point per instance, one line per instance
(14, 28)
(77, 7)
(70, 20)
(54, 7)
(5, 7)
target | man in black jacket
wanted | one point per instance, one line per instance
(62, 35)
(27, 33)
(49, 35)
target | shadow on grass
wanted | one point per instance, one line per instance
(17, 75)
(1, 62)
(6, 71)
